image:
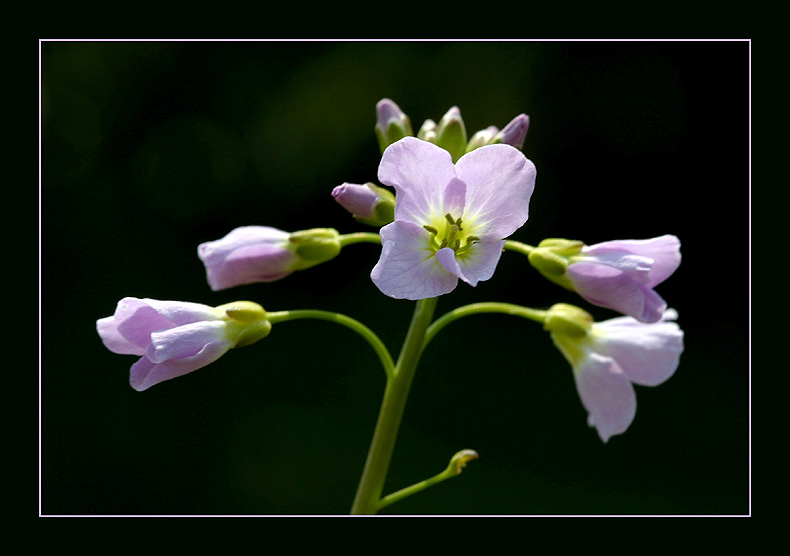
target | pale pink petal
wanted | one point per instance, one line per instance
(479, 262)
(648, 354)
(606, 394)
(182, 312)
(185, 341)
(419, 171)
(114, 340)
(407, 268)
(608, 287)
(454, 198)
(447, 259)
(246, 255)
(136, 319)
(499, 184)
(146, 373)
(663, 250)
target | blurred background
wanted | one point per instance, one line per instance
(151, 148)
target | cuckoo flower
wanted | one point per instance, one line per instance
(174, 338)
(621, 275)
(252, 254)
(450, 219)
(618, 275)
(608, 357)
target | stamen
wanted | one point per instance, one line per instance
(472, 239)
(449, 218)
(431, 229)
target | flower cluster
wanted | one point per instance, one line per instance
(445, 206)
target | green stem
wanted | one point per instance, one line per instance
(478, 308)
(359, 237)
(453, 469)
(518, 247)
(356, 326)
(371, 485)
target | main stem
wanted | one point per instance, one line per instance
(399, 382)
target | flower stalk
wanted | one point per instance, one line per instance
(371, 485)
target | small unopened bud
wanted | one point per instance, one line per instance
(314, 246)
(482, 138)
(391, 123)
(427, 131)
(459, 461)
(368, 203)
(514, 132)
(451, 133)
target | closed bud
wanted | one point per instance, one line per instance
(482, 138)
(368, 203)
(451, 133)
(391, 123)
(427, 131)
(460, 459)
(515, 132)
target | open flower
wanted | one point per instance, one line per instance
(450, 219)
(608, 357)
(176, 337)
(618, 275)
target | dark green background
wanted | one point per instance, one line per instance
(150, 148)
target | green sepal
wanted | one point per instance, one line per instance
(314, 246)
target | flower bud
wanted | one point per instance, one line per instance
(482, 138)
(515, 132)
(314, 246)
(391, 123)
(368, 203)
(451, 133)
(460, 459)
(427, 131)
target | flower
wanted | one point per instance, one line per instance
(252, 254)
(391, 123)
(621, 274)
(176, 337)
(618, 275)
(368, 203)
(514, 132)
(608, 357)
(450, 220)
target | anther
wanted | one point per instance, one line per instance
(449, 218)
(431, 229)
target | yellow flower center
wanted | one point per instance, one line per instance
(451, 232)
